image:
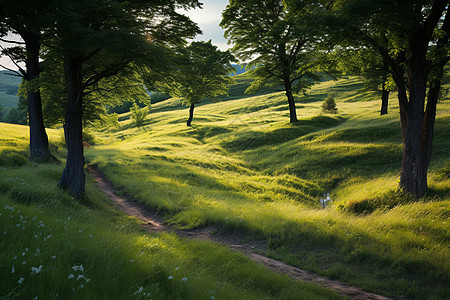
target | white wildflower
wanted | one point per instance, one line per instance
(78, 268)
(36, 270)
(13, 270)
(184, 279)
(24, 262)
(71, 276)
(80, 277)
(177, 268)
(21, 279)
(170, 277)
(138, 291)
(53, 257)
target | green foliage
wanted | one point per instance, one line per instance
(200, 71)
(138, 114)
(15, 116)
(281, 47)
(329, 105)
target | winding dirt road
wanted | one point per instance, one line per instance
(154, 223)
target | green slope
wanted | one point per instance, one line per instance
(243, 167)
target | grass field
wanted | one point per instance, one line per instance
(244, 169)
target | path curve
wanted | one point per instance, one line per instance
(154, 223)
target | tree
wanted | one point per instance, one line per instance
(29, 24)
(329, 105)
(281, 47)
(413, 37)
(96, 43)
(138, 114)
(373, 70)
(200, 71)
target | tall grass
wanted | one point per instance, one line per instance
(243, 168)
(52, 246)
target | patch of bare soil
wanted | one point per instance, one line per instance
(154, 223)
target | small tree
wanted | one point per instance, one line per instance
(200, 71)
(138, 114)
(329, 105)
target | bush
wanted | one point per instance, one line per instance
(329, 105)
(138, 115)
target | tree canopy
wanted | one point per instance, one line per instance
(412, 37)
(199, 71)
(282, 49)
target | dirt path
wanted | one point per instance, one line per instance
(154, 223)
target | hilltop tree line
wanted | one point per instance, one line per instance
(83, 57)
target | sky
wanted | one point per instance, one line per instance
(208, 19)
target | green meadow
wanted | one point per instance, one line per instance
(244, 170)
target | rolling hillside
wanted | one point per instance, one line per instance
(240, 170)
(8, 90)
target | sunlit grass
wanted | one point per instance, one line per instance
(242, 167)
(53, 246)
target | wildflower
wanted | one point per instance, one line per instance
(35, 298)
(13, 270)
(71, 276)
(80, 231)
(131, 260)
(91, 236)
(26, 249)
(53, 257)
(4, 232)
(81, 286)
(212, 297)
(177, 268)
(21, 279)
(138, 291)
(78, 268)
(184, 279)
(88, 279)
(24, 262)
(80, 277)
(36, 270)
(170, 277)
(23, 253)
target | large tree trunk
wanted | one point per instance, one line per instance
(415, 161)
(73, 177)
(292, 110)
(384, 100)
(191, 115)
(39, 149)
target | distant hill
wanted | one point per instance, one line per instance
(8, 80)
(8, 89)
(239, 69)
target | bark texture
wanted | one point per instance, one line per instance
(191, 115)
(39, 149)
(291, 101)
(73, 177)
(384, 101)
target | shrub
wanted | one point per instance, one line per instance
(138, 115)
(329, 105)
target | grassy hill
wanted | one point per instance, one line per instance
(243, 169)
(8, 89)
